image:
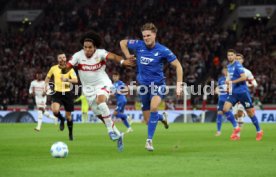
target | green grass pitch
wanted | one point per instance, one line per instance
(183, 150)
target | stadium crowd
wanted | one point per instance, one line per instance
(192, 29)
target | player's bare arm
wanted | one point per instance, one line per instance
(124, 48)
(118, 59)
(179, 76)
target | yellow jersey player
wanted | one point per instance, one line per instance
(62, 92)
(84, 108)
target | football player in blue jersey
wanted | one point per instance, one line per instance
(238, 92)
(150, 56)
(119, 92)
(221, 90)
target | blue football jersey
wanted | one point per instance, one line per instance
(150, 61)
(222, 88)
(235, 70)
(118, 86)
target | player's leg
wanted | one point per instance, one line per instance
(219, 117)
(84, 113)
(219, 122)
(84, 117)
(247, 103)
(120, 114)
(105, 112)
(39, 118)
(113, 132)
(69, 124)
(56, 111)
(239, 117)
(153, 120)
(50, 116)
(229, 115)
(68, 103)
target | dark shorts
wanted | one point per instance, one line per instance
(243, 98)
(220, 105)
(146, 94)
(66, 99)
(121, 106)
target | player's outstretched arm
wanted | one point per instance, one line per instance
(118, 59)
(125, 50)
(179, 76)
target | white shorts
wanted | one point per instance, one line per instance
(41, 102)
(92, 94)
(238, 107)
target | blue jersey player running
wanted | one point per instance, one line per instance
(222, 92)
(238, 92)
(150, 56)
(119, 88)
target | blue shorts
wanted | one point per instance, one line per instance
(243, 98)
(120, 106)
(146, 94)
(220, 105)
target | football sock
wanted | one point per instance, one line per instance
(70, 126)
(160, 117)
(256, 123)
(59, 116)
(84, 117)
(124, 119)
(107, 118)
(229, 115)
(153, 120)
(47, 114)
(39, 119)
(219, 122)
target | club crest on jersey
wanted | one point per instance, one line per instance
(145, 60)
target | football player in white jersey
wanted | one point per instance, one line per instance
(239, 111)
(96, 85)
(37, 89)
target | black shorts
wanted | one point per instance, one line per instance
(66, 99)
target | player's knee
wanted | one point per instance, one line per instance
(154, 109)
(250, 113)
(220, 112)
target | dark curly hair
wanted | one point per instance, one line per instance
(93, 37)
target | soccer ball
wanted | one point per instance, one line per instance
(59, 150)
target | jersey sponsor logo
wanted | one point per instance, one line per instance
(132, 41)
(95, 67)
(145, 60)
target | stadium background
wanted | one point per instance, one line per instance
(199, 32)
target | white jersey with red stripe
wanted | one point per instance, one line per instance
(250, 80)
(92, 71)
(37, 87)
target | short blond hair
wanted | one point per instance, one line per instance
(149, 26)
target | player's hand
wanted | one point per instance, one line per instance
(128, 63)
(63, 79)
(179, 90)
(32, 94)
(44, 93)
(131, 57)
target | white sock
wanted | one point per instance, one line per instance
(107, 118)
(47, 114)
(39, 119)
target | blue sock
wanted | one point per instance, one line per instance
(160, 117)
(153, 120)
(229, 115)
(256, 123)
(124, 119)
(219, 122)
